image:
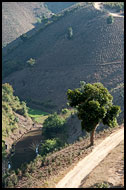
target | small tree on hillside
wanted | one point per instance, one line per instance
(70, 33)
(31, 62)
(94, 105)
(110, 19)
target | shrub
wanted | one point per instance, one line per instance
(102, 185)
(70, 33)
(49, 146)
(53, 125)
(39, 21)
(31, 62)
(110, 19)
(65, 110)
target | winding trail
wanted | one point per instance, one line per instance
(84, 167)
(99, 6)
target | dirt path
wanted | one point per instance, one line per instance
(99, 6)
(110, 170)
(84, 167)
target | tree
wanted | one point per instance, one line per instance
(94, 106)
(31, 62)
(110, 19)
(70, 33)
(53, 125)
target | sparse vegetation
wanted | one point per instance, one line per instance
(44, 167)
(94, 105)
(102, 185)
(11, 104)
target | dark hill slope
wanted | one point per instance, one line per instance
(94, 54)
(19, 17)
(56, 7)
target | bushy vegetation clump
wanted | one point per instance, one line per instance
(53, 126)
(31, 62)
(118, 6)
(70, 33)
(50, 145)
(11, 105)
(110, 19)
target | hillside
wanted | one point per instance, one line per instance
(46, 172)
(15, 119)
(94, 54)
(19, 17)
(56, 7)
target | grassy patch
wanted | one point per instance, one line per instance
(37, 115)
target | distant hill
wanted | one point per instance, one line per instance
(94, 54)
(56, 7)
(19, 17)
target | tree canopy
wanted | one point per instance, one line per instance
(94, 105)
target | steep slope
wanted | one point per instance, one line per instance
(15, 119)
(56, 7)
(94, 54)
(19, 17)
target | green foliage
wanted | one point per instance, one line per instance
(31, 62)
(94, 105)
(70, 33)
(11, 104)
(39, 20)
(65, 110)
(110, 19)
(49, 146)
(3, 149)
(102, 185)
(53, 125)
(118, 6)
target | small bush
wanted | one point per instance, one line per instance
(102, 185)
(70, 33)
(110, 19)
(31, 62)
(65, 110)
(53, 125)
(49, 146)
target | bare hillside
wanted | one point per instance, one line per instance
(94, 54)
(19, 17)
(56, 7)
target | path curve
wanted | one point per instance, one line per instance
(84, 167)
(99, 6)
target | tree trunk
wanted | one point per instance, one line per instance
(92, 136)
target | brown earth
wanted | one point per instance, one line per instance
(49, 172)
(95, 54)
(110, 170)
(19, 17)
